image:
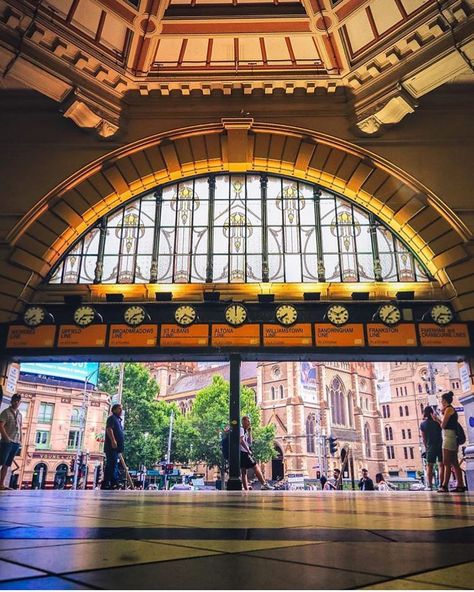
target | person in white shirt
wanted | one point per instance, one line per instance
(246, 459)
(381, 484)
(10, 432)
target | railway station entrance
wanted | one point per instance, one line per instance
(240, 267)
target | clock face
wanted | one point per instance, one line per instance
(441, 314)
(286, 314)
(185, 315)
(84, 315)
(389, 314)
(34, 316)
(337, 314)
(235, 314)
(134, 315)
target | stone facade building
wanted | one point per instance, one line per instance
(410, 387)
(51, 426)
(305, 401)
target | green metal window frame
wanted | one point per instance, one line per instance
(146, 243)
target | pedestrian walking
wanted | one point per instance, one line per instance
(449, 425)
(335, 482)
(366, 483)
(246, 459)
(382, 485)
(113, 447)
(433, 441)
(10, 431)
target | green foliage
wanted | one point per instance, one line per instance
(210, 415)
(196, 437)
(146, 420)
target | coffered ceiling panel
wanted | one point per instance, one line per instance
(370, 51)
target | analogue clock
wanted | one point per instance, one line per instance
(441, 314)
(134, 315)
(337, 314)
(236, 314)
(389, 314)
(286, 314)
(84, 315)
(34, 316)
(185, 315)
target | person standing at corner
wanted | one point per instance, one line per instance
(366, 483)
(246, 459)
(10, 430)
(449, 425)
(335, 482)
(433, 441)
(113, 447)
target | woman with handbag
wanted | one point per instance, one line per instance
(450, 446)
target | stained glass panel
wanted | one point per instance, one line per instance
(91, 242)
(88, 270)
(109, 274)
(310, 268)
(229, 208)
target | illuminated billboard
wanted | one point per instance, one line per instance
(81, 371)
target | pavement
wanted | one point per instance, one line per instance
(79, 540)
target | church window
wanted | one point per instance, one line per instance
(368, 449)
(338, 402)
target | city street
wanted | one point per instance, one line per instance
(235, 540)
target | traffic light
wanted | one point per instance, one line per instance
(72, 464)
(169, 469)
(333, 445)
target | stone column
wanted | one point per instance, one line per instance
(234, 482)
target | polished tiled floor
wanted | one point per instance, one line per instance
(222, 540)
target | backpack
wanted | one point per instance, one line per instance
(460, 435)
(225, 445)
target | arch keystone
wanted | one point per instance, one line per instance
(237, 142)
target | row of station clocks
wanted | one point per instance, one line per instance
(236, 315)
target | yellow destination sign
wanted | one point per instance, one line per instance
(403, 335)
(298, 335)
(245, 336)
(21, 336)
(125, 336)
(176, 336)
(350, 335)
(455, 335)
(72, 336)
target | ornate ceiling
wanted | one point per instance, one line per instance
(89, 54)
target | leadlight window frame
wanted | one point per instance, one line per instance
(334, 219)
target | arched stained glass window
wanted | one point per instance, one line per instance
(238, 229)
(368, 447)
(338, 401)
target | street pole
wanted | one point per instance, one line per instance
(82, 426)
(168, 453)
(170, 434)
(120, 384)
(234, 482)
(432, 378)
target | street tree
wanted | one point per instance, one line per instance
(210, 416)
(146, 420)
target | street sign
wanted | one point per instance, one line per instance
(464, 376)
(13, 375)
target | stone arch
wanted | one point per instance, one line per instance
(411, 210)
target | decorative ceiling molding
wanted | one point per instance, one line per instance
(111, 50)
